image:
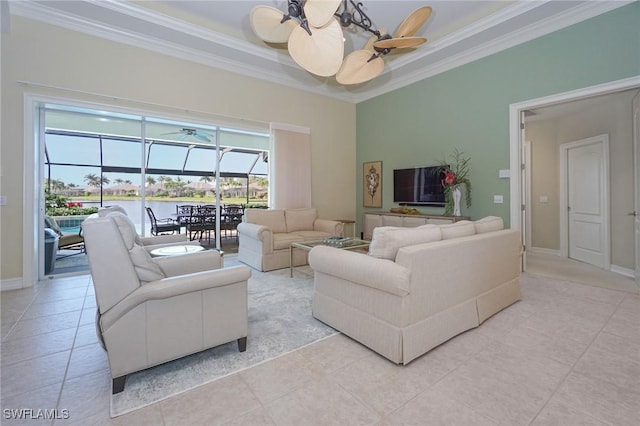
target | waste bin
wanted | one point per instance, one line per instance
(50, 249)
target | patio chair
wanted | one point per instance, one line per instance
(65, 240)
(231, 217)
(162, 226)
(203, 220)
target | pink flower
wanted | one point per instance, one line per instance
(449, 178)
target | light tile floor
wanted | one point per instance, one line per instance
(566, 354)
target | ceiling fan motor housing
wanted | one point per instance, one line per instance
(295, 8)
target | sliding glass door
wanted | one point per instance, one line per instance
(95, 158)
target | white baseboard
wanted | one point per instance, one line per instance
(542, 250)
(623, 271)
(11, 284)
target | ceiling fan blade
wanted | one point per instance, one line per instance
(265, 22)
(319, 12)
(358, 67)
(399, 43)
(320, 53)
(413, 22)
(369, 45)
(202, 137)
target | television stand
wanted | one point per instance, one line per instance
(373, 219)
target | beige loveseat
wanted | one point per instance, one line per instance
(265, 236)
(418, 287)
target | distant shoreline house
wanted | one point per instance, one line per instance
(123, 189)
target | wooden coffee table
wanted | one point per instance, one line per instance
(344, 244)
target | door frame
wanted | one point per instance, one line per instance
(636, 175)
(517, 200)
(603, 140)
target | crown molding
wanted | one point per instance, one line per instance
(212, 36)
(557, 22)
(51, 15)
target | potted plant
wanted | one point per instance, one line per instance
(454, 181)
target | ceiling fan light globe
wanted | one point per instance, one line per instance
(345, 19)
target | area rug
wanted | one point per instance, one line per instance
(280, 321)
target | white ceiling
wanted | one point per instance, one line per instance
(218, 34)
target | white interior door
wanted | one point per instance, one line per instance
(636, 179)
(587, 200)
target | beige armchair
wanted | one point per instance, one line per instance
(154, 310)
(152, 242)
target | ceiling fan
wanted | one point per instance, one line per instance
(186, 132)
(316, 42)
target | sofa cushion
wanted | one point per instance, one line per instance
(106, 210)
(271, 218)
(300, 219)
(283, 240)
(312, 235)
(146, 269)
(463, 228)
(488, 224)
(386, 240)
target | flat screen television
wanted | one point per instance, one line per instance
(419, 186)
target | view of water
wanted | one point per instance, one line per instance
(161, 209)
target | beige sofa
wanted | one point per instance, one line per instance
(265, 236)
(418, 287)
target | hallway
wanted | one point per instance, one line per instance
(552, 266)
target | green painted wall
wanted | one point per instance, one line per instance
(468, 107)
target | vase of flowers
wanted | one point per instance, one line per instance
(454, 181)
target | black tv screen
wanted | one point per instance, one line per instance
(419, 185)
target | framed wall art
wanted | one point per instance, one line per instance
(372, 183)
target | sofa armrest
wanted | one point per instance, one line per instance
(262, 236)
(175, 286)
(255, 231)
(189, 263)
(164, 239)
(361, 269)
(332, 227)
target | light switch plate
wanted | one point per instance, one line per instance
(497, 199)
(3, 200)
(504, 173)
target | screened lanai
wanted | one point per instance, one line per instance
(80, 142)
(95, 158)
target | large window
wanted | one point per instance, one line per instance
(97, 158)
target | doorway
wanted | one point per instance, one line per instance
(519, 201)
(584, 201)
